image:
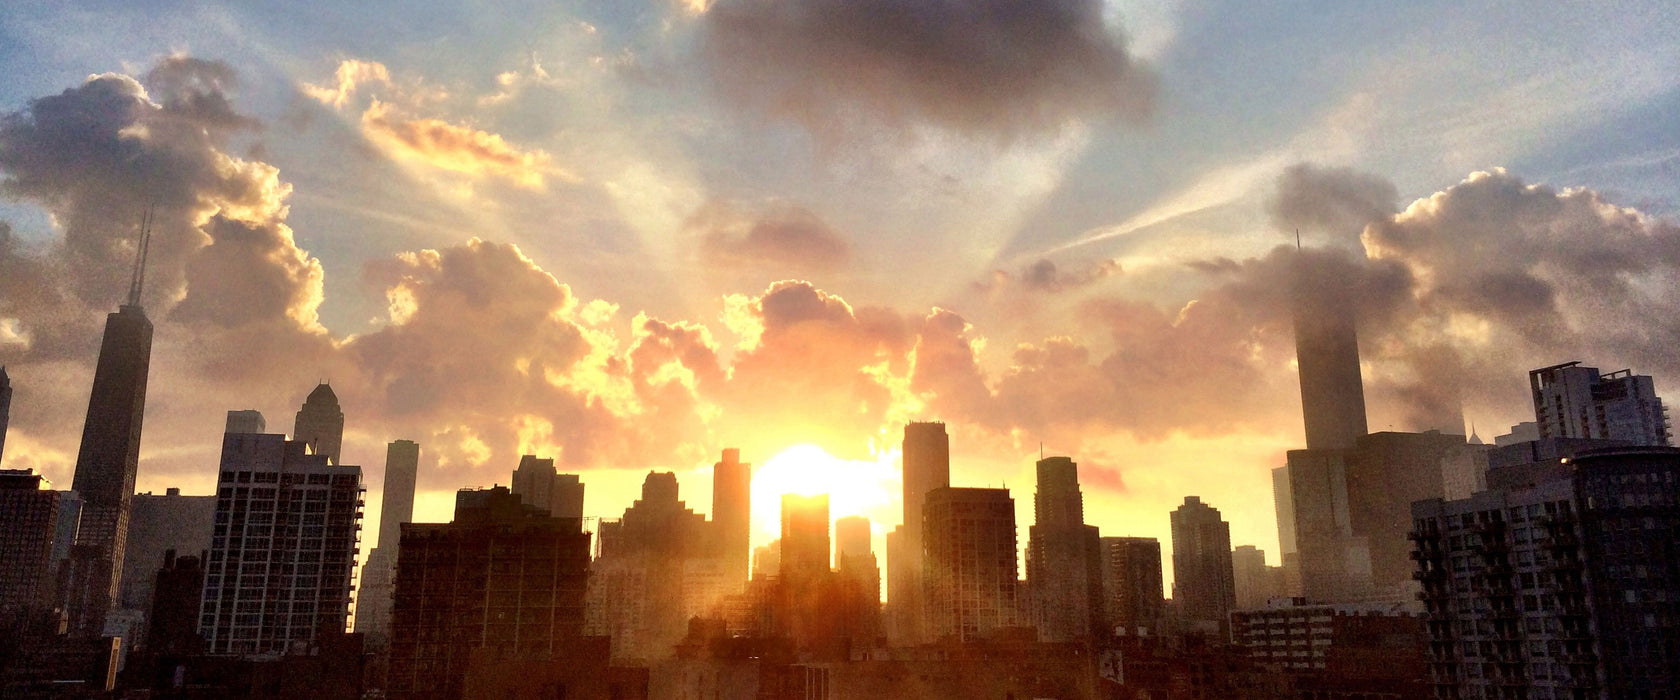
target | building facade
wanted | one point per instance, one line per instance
(504, 580)
(28, 517)
(1064, 579)
(1562, 587)
(926, 453)
(283, 550)
(969, 565)
(1133, 597)
(1572, 401)
(396, 506)
(1203, 586)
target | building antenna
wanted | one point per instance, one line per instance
(137, 281)
(1297, 240)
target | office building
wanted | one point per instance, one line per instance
(396, 506)
(28, 516)
(1563, 586)
(503, 580)
(1386, 472)
(320, 423)
(926, 455)
(246, 421)
(969, 566)
(1327, 356)
(537, 484)
(732, 511)
(283, 551)
(1203, 587)
(1133, 593)
(177, 589)
(1572, 401)
(860, 573)
(1345, 650)
(804, 536)
(5, 410)
(1064, 577)
(108, 459)
(158, 524)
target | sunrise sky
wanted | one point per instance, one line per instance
(629, 234)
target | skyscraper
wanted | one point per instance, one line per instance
(5, 409)
(1571, 401)
(1254, 582)
(804, 536)
(1202, 579)
(860, 576)
(1062, 556)
(320, 423)
(538, 485)
(157, 524)
(732, 511)
(283, 552)
(1132, 590)
(969, 568)
(927, 466)
(641, 592)
(1327, 355)
(109, 457)
(373, 598)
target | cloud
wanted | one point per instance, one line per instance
(777, 236)
(1335, 201)
(996, 68)
(1044, 276)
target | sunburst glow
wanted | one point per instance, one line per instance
(869, 488)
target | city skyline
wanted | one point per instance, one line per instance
(345, 210)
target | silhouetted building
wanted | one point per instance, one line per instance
(1386, 472)
(927, 466)
(767, 560)
(537, 483)
(732, 511)
(1064, 575)
(1526, 431)
(396, 506)
(320, 423)
(860, 575)
(1283, 504)
(176, 598)
(283, 551)
(1571, 401)
(969, 568)
(504, 578)
(804, 536)
(5, 409)
(246, 421)
(107, 461)
(1347, 650)
(1133, 600)
(1327, 356)
(655, 568)
(1563, 587)
(158, 524)
(28, 516)
(1254, 581)
(1203, 588)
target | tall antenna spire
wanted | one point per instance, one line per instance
(1297, 239)
(137, 282)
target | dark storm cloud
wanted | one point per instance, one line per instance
(781, 237)
(997, 67)
(1334, 201)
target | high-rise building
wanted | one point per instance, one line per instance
(537, 483)
(5, 409)
(641, 592)
(283, 551)
(28, 516)
(1064, 576)
(732, 510)
(108, 459)
(804, 536)
(1283, 504)
(1254, 582)
(1563, 586)
(246, 421)
(1203, 587)
(1386, 472)
(158, 524)
(320, 423)
(927, 466)
(969, 566)
(859, 577)
(396, 506)
(504, 579)
(1133, 600)
(1327, 355)
(1572, 401)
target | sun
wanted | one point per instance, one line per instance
(869, 488)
